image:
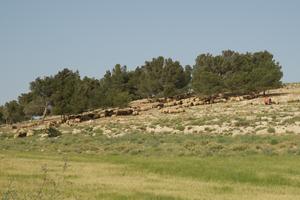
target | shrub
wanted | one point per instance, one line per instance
(271, 130)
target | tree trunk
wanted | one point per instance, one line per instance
(45, 112)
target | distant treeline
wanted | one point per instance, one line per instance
(230, 73)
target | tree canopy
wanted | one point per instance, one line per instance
(163, 77)
(13, 112)
(67, 93)
(2, 118)
(235, 73)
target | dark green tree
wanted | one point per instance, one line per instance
(116, 87)
(235, 74)
(151, 83)
(2, 119)
(33, 105)
(162, 77)
(134, 78)
(87, 95)
(13, 112)
(266, 73)
(42, 90)
(208, 75)
(65, 84)
(173, 78)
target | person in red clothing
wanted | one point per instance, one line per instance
(267, 100)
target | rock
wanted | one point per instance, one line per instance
(90, 121)
(145, 108)
(102, 115)
(77, 120)
(87, 116)
(76, 131)
(20, 133)
(96, 128)
(30, 133)
(65, 132)
(52, 123)
(248, 97)
(107, 132)
(159, 129)
(188, 104)
(124, 111)
(168, 100)
(14, 127)
(135, 113)
(108, 112)
(72, 121)
(220, 100)
(166, 111)
(237, 98)
(158, 105)
(173, 110)
(139, 103)
(43, 135)
(198, 103)
(179, 102)
(170, 104)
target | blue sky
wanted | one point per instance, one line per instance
(38, 38)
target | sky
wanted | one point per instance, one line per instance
(39, 38)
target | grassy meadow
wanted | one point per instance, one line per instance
(150, 166)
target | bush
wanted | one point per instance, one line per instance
(271, 130)
(274, 142)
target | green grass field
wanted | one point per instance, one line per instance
(150, 166)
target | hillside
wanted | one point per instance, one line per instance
(237, 148)
(184, 115)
